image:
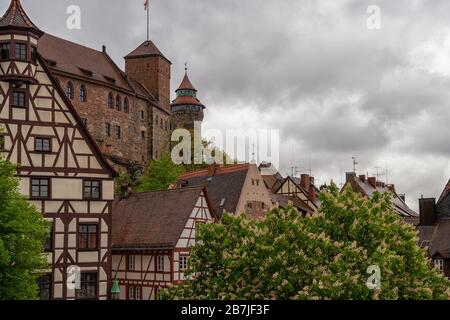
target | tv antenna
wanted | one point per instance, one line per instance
(355, 163)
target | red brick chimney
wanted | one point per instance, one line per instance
(305, 181)
(363, 178)
(372, 181)
(312, 193)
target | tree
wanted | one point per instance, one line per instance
(322, 256)
(159, 175)
(23, 232)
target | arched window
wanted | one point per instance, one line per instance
(83, 93)
(118, 103)
(125, 105)
(69, 90)
(110, 100)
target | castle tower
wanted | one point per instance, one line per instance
(148, 66)
(18, 48)
(186, 108)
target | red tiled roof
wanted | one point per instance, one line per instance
(437, 237)
(186, 100)
(73, 58)
(186, 84)
(152, 219)
(219, 171)
(146, 49)
(15, 16)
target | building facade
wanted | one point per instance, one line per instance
(152, 235)
(62, 172)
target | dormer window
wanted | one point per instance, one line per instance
(4, 51)
(20, 51)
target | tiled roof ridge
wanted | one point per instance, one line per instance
(220, 171)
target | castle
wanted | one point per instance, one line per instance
(129, 113)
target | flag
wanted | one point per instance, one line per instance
(146, 2)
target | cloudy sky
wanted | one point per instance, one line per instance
(310, 68)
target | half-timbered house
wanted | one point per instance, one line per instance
(61, 169)
(302, 192)
(152, 234)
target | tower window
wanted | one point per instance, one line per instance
(117, 132)
(108, 129)
(83, 93)
(4, 51)
(33, 54)
(142, 115)
(118, 103)
(18, 99)
(20, 50)
(125, 105)
(110, 101)
(143, 134)
(69, 90)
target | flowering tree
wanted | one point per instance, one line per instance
(325, 256)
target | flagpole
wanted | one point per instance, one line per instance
(148, 24)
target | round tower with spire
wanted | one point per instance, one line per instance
(186, 108)
(18, 46)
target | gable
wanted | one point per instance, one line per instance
(51, 115)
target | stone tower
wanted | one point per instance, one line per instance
(186, 108)
(148, 66)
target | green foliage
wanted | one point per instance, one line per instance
(159, 175)
(23, 232)
(123, 178)
(324, 256)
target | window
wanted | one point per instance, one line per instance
(69, 90)
(83, 93)
(131, 263)
(250, 205)
(20, 51)
(108, 129)
(87, 237)
(42, 144)
(33, 54)
(117, 132)
(40, 188)
(2, 142)
(48, 245)
(18, 99)
(184, 262)
(143, 134)
(134, 293)
(118, 103)
(159, 263)
(125, 105)
(439, 264)
(84, 121)
(142, 115)
(162, 124)
(45, 287)
(4, 51)
(88, 286)
(91, 189)
(110, 101)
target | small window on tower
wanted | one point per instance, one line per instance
(125, 105)
(4, 51)
(108, 129)
(117, 132)
(118, 103)
(83, 93)
(143, 134)
(20, 50)
(18, 99)
(69, 90)
(110, 101)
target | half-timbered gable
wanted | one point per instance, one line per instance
(152, 235)
(292, 187)
(61, 170)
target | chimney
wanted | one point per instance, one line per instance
(104, 49)
(305, 181)
(212, 169)
(372, 181)
(125, 191)
(349, 175)
(363, 178)
(312, 193)
(311, 180)
(427, 209)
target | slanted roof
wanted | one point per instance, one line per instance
(283, 201)
(186, 84)
(186, 99)
(272, 178)
(152, 220)
(445, 192)
(224, 187)
(366, 188)
(146, 49)
(75, 59)
(437, 238)
(16, 17)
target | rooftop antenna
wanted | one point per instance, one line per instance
(253, 153)
(185, 67)
(355, 163)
